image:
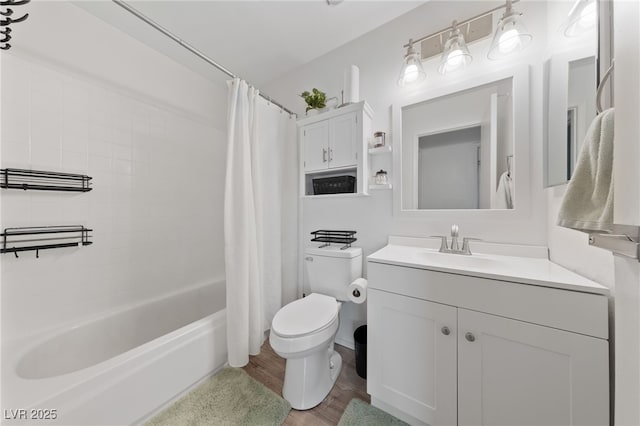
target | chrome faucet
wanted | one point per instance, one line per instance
(455, 247)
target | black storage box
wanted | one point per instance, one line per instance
(334, 185)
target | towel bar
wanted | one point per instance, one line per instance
(623, 240)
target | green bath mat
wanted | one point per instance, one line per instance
(359, 413)
(230, 398)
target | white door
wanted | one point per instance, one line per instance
(315, 143)
(411, 356)
(342, 141)
(515, 373)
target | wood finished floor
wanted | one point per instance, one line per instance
(268, 369)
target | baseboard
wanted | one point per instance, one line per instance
(347, 343)
(396, 413)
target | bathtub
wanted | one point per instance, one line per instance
(120, 367)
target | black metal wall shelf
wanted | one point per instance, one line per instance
(44, 181)
(332, 236)
(16, 240)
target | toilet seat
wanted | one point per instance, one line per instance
(305, 316)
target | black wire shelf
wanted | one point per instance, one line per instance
(329, 237)
(44, 181)
(15, 240)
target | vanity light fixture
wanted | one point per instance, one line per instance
(511, 36)
(582, 17)
(456, 53)
(412, 71)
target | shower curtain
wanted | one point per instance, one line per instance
(260, 159)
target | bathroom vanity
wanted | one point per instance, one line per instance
(501, 337)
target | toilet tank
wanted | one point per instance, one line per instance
(330, 270)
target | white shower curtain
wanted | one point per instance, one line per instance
(258, 157)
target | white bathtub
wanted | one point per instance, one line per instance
(118, 368)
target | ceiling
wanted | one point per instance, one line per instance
(257, 40)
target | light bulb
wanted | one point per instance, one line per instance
(509, 41)
(411, 73)
(511, 35)
(455, 59)
(588, 16)
(582, 17)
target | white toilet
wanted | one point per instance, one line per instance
(303, 331)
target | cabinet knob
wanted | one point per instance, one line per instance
(445, 330)
(469, 336)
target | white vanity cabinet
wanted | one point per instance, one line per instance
(452, 349)
(515, 373)
(335, 143)
(411, 355)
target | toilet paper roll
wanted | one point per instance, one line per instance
(351, 84)
(357, 291)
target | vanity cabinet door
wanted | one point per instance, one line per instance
(411, 356)
(342, 141)
(516, 373)
(315, 145)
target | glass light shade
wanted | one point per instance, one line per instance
(582, 17)
(412, 71)
(455, 54)
(510, 37)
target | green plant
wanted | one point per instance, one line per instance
(315, 100)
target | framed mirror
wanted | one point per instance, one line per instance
(457, 147)
(571, 107)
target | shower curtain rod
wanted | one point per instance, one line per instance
(190, 48)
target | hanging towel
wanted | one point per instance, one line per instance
(588, 203)
(504, 193)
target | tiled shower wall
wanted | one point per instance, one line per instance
(156, 206)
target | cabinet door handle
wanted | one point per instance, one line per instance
(445, 330)
(330, 154)
(469, 336)
(324, 155)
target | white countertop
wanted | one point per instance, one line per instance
(528, 267)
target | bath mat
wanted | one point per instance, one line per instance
(359, 413)
(229, 398)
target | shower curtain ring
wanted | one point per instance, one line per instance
(16, 254)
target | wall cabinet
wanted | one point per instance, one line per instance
(449, 363)
(335, 143)
(331, 143)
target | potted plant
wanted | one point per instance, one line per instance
(316, 100)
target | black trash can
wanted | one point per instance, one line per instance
(360, 338)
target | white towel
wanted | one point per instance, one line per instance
(588, 203)
(504, 198)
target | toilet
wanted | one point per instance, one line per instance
(303, 331)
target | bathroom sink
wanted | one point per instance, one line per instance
(458, 261)
(504, 262)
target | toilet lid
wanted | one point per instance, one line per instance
(305, 315)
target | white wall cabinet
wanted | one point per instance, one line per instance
(331, 143)
(435, 363)
(335, 143)
(315, 145)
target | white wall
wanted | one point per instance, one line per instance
(378, 54)
(79, 96)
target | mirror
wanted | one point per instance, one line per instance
(571, 108)
(465, 138)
